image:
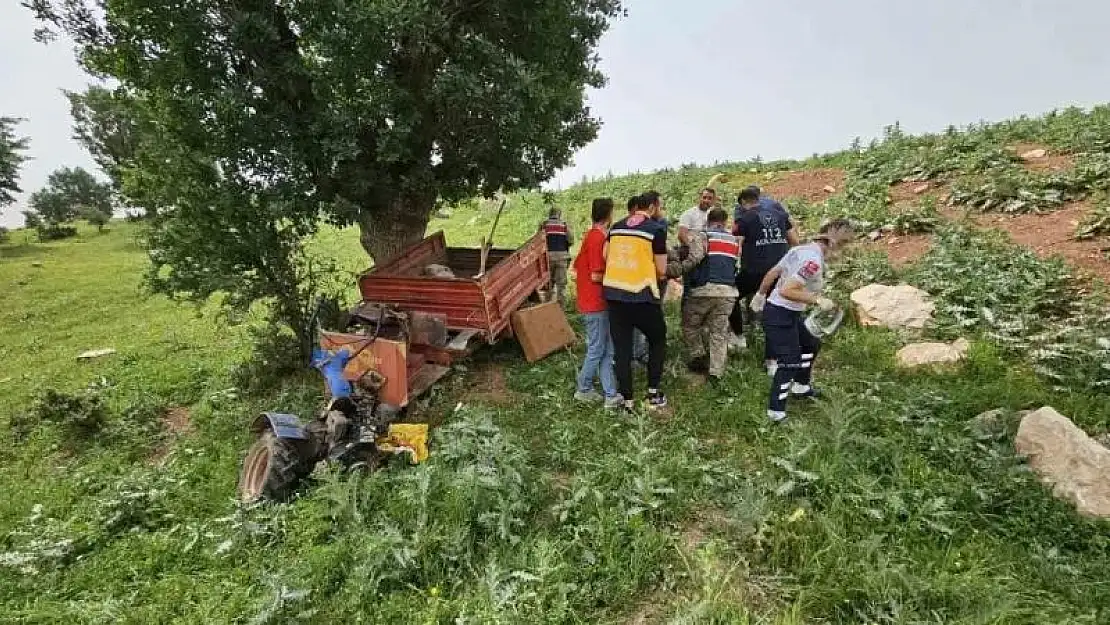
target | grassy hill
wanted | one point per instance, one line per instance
(884, 504)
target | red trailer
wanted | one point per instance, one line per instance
(474, 303)
(446, 317)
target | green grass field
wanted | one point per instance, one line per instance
(880, 505)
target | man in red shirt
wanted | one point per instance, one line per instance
(589, 269)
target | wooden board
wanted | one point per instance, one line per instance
(541, 330)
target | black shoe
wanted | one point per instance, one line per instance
(656, 401)
(698, 365)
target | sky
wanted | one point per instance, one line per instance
(700, 81)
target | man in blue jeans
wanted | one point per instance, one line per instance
(589, 268)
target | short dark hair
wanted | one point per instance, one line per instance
(602, 209)
(837, 225)
(643, 202)
(749, 194)
(633, 202)
(652, 197)
(709, 189)
(717, 216)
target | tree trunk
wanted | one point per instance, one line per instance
(387, 231)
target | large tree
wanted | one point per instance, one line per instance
(367, 111)
(12, 156)
(71, 193)
(107, 123)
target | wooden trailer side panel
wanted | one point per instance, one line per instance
(468, 301)
(512, 281)
(460, 301)
(433, 249)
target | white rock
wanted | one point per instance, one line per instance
(875, 235)
(96, 353)
(922, 188)
(1065, 458)
(1033, 155)
(829, 188)
(901, 306)
(923, 354)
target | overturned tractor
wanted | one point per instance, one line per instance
(402, 338)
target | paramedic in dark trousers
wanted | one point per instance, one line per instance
(765, 233)
(559, 241)
(635, 262)
(639, 343)
(710, 270)
(800, 277)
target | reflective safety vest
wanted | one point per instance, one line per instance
(558, 239)
(630, 264)
(721, 257)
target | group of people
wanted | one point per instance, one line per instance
(758, 264)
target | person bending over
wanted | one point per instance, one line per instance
(800, 282)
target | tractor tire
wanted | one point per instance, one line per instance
(273, 469)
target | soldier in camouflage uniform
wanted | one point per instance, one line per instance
(711, 268)
(559, 240)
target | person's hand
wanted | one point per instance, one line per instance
(825, 304)
(758, 301)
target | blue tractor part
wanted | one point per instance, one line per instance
(285, 426)
(331, 367)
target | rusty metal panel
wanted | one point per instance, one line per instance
(480, 304)
(433, 249)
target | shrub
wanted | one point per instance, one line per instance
(54, 233)
(79, 415)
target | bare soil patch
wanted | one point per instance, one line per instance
(807, 184)
(903, 194)
(1051, 162)
(176, 422)
(488, 386)
(1050, 234)
(904, 250)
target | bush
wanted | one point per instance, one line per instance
(80, 416)
(54, 233)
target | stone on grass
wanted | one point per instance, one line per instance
(988, 424)
(829, 189)
(95, 353)
(925, 354)
(901, 306)
(1065, 458)
(1032, 155)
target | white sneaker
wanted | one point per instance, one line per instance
(776, 416)
(592, 397)
(614, 402)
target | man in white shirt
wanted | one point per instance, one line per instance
(694, 219)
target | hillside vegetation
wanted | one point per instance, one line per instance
(883, 504)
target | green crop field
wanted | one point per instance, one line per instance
(883, 503)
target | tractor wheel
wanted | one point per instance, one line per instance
(272, 469)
